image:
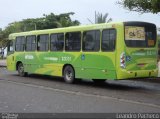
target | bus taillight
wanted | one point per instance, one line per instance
(122, 60)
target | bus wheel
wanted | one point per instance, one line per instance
(99, 81)
(69, 75)
(21, 70)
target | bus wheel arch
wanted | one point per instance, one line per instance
(69, 73)
(17, 64)
(20, 69)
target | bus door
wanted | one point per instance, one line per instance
(30, 57)
(43, 54)
(97, 64)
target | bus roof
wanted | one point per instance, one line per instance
(66, 29)
(70, 29)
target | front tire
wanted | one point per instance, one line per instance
(21, 70)
(69, 74)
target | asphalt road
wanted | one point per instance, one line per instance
(38, 93)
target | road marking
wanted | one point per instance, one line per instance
(85, 94)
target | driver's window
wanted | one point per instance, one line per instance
(10, 48)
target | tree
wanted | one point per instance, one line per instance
(100, 18)
(65, 20)
(45, 22)
(3, 41)
(142, 6)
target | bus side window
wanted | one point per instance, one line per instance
(42, 42)
(89, 44)
(38, 43)
(73, 41)
(108, 39)
(53, 44)
(57, 42)
(60, 45)
(20, 43)
(91, 41)
(30, 43)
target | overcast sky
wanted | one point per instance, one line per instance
(16, 10)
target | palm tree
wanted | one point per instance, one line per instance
(100, 18)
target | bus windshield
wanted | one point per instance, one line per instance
(140, 35)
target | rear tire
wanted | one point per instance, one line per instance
(20, 69)
(69, 74)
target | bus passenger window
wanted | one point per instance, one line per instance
(42, 42)
(57, 42)
(73, 41)
(91, 41)
(20, 43)
(30, 43)
(108, 39)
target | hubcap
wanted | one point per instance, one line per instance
(21, 69)
(69, 75)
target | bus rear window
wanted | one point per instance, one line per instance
(140, 36)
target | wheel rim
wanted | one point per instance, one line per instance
(21, 69)
(69, 75)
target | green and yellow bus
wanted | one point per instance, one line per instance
(122, 50)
